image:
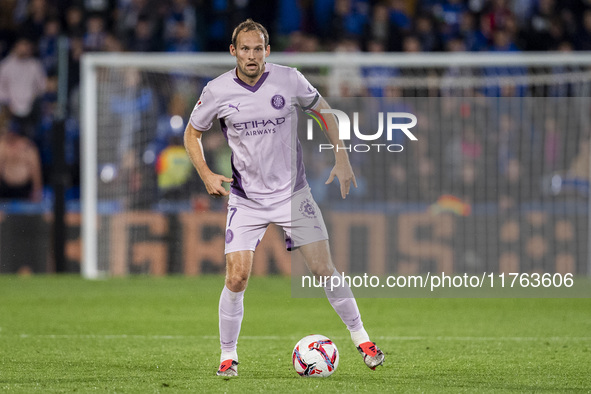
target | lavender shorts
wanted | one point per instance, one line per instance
(297, 214)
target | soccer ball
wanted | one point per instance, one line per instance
(315, 356)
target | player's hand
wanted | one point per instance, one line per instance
(213, 184)
(345, 175)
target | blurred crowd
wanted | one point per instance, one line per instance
(29, 32)
(481, 150)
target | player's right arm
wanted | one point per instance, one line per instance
(213, 182)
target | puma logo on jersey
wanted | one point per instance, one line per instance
(234, 106)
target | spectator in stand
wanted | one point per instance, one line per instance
(289, 18)
(564, 88)
(399, 15)
(37, 14)
(168, 125)
(129, 16)
(411, 44)
(134, 112)
(471, 145)
(523, 10)
(474, 38)
(381, 30)
(538, 31)
(449, 13)
(295, 42)
(346, 81)
(142, 38)
(105, 8)
(182, 39)
(503, 42)
(426, 34)
(310, 43)
(180, 23)
(449, 85)
(94, 38)
(48, 51)
(302, 42)
(20, 168)
(167, 153)
(74, 22)
(43, 137)
(507, 142)
(349, 20)
(583, 38)
(470, 187)
(19, 11)
(498, 14)
(174, 170)
(570, 14)
(321, 15)
(464, 147)
(558, 34)
(377, 77)
(514, 186)
(7, 26)
(112, 44)
(76, 51)
(135, 106)
(517, 35)
(22, 82)
(218, 25)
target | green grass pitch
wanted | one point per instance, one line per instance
(150, 335)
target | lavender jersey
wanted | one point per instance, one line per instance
(257, 122)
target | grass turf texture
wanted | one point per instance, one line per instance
(64, 334)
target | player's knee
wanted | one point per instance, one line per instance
(322, 270)
(237, 282)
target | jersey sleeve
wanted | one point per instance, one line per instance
(307, 95)
(205, 111)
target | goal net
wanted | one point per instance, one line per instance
(498, 180)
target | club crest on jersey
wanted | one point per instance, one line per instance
(307, 209)
(278, 101)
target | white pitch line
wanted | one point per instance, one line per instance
(278, 337)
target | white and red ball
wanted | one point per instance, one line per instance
(315, 356)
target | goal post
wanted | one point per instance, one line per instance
(89, 135)
(118, 114)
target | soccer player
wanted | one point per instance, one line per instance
(253, 103)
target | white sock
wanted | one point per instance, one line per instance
(228, 356)
(231, 312)
(342, 300)
(359, 337)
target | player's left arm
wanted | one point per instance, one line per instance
(342, 169)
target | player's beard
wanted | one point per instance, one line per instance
(252, 73)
